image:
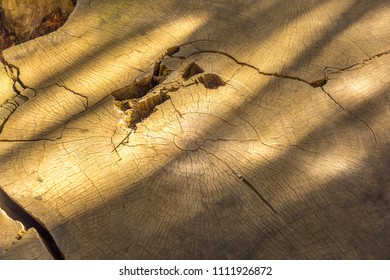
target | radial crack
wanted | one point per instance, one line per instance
(254, 190)
(16, 212)
(13, 72)
(351, 113)
(75, 93)
(245, 181)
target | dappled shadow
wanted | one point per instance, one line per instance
(174, 216)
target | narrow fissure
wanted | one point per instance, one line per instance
(330, 70)
(245, 181)
(16, 212)
(352, 114)
(314, 84)
(75, 93)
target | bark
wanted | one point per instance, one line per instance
(25, 19)
(198, 130)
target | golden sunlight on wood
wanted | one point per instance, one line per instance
(199, 130)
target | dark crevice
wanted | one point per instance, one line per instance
(191, 70)
(135, 90)
(351, 113)
(211, 81)
(319, 83)
(172, 50)
(141, 86)
(138, 100)
(16, 212)
(160, 71)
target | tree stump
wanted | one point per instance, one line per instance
(204, 130)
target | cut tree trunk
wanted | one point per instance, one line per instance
(204, 130)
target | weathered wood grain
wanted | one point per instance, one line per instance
(29, 247)
(10, 231)
(278, 149)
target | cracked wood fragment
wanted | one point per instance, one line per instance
(29, 247)
(257, 136)
(9, 231)
(17, 243)
(16, 212)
